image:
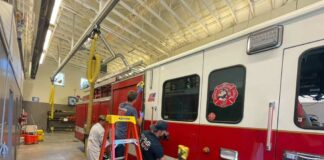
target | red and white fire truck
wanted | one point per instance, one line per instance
(256, 94)
(108, 95)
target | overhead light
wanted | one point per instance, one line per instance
(30, 68)
(55, 11)
(42, 58)
(47, 39)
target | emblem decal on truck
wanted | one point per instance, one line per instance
(211, 116)
(225, 95)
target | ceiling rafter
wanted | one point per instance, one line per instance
(251, 6)
(166, 6)
(121, 37)
(198, 19)
(131, 50)
(129, 31)
(101, 47)
(229, 4)
(214, 13)
(128, 41)
(136, 35)
(157, 39)
(141, 2)
(66, 47)
(160, 18)
(138, 48)
(71, 64)
(133, 11)
(136, 26)
(78, 58)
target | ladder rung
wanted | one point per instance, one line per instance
(112, 119)
(117, 158)
(126, 141)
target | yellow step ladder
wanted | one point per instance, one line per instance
(131, 130)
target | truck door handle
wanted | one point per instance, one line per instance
(228, 154)
(290, 155)
(269, 130)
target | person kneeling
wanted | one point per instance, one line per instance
(150, 141)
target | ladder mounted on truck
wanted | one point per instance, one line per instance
(131, 130)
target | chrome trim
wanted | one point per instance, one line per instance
(228, 154)
(269, 130)
(291, 155)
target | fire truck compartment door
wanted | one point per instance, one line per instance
(179, 103)
(237, 90)
(301, 118)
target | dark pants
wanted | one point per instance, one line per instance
(120, 151)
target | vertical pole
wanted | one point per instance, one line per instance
(89, 113)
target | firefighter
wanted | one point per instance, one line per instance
(150, 141)
(95, 138)
(126, 109)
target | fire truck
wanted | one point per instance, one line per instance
(256, 94)
(108, 95)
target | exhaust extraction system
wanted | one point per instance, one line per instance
(94, 25)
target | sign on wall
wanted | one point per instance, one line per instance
(35, 99)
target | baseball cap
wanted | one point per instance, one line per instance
(102, 118)
(160, 125)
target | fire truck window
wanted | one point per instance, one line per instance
(180, 99)
(309, 110)
(226, 95)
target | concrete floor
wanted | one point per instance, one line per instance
(56, 146)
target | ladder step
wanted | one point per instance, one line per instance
(112, 119)
(126, 141)
(117, 158)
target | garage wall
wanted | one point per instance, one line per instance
(37, 112)
(40, 87)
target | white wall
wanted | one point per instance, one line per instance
(40, 87)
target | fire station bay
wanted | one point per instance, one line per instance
(161, 79)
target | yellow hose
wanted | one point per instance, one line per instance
(92, 75)
(51, 100)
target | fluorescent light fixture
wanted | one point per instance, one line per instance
(42, 58)
(55, 11)
(47, 39)
(30, 68)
